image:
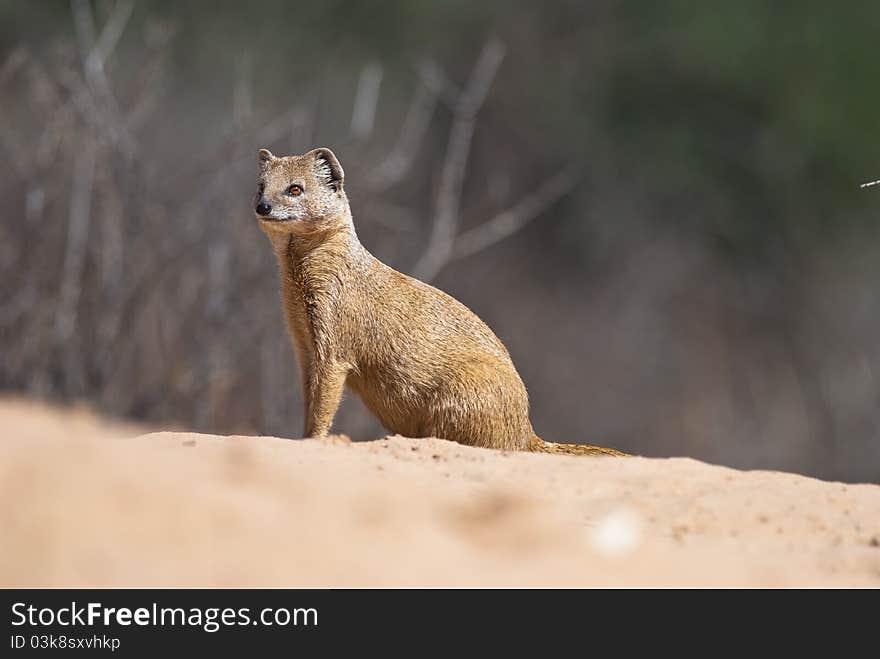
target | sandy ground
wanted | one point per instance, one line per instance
(84, 501)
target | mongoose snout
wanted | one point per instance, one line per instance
(421, 361)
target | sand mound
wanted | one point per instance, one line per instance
(85, 502)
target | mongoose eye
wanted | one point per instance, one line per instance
(294, 190)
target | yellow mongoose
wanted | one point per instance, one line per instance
(422, 362)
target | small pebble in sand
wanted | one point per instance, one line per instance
(618, 533)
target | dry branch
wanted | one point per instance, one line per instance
(366, 100)
(66, 316)
(512, 220)
(396, 165)
(96, 52)
(446, 213)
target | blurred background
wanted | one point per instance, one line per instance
(656, 206)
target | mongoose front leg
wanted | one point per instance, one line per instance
(325, 392)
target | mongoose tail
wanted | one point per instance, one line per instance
(538, 445)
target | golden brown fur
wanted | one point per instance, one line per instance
(421, 361)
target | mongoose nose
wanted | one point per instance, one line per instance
(263, 208)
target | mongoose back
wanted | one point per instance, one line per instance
(421, 361)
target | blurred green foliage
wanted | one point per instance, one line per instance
(770, 106)
(735, 119)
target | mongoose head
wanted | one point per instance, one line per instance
(300, 194)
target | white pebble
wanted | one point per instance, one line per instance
(618, 533)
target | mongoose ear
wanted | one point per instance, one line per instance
(328, 167)
(265, 156)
